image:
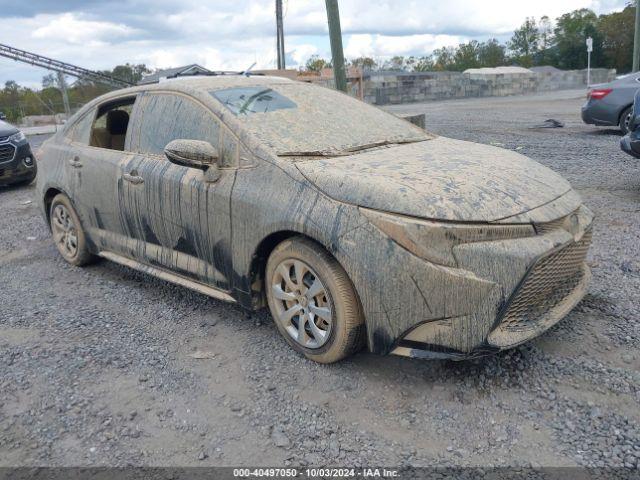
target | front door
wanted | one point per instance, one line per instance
(179, 220)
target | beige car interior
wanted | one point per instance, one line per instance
(110, 128)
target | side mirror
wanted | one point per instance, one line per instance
(191, 153)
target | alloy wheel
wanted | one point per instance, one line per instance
(627, 120)
(65, 232)
(302, 303)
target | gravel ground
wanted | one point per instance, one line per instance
(106, 366)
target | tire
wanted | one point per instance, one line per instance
(334, 311)
(68, 235)
(625, 117)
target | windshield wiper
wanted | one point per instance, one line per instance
(350, 150)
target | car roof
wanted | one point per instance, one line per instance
(213, 82)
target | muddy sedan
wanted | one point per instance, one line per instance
(353, 226)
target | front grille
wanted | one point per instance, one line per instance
(548, 283)
(7, 152)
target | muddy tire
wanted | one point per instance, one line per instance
(313, 301)
(68, 235)
(625, 118)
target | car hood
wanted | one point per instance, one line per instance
(7, 129)
(445, 179)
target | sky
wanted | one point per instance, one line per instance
(224, 35)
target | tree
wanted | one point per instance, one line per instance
(524, 42)
(545, 33)
(366, 63)
(444, 58)
(49, 80)
(616, 30)
(129, 72)
(571, 32)
(315, 64)
(467, 56)
(547, 53)
(396, 63)
(492, 54)
(424, 64)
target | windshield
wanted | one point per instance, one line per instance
(299, 119)
(248, 100)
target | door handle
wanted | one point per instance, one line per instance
(75, 162)
(135, 179)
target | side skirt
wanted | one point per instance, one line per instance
(168, 276)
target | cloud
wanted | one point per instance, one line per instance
(385, 45)
(75, 30)
(100, 34)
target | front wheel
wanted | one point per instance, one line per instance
(313, 301)
(625, 119)
(69, 238)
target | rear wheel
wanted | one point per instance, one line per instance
(68, 236)
(625, 118)
(313, 301)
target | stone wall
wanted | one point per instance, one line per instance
(385, 88)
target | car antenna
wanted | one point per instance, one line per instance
(247, 72)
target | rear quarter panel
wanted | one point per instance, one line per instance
(52, 173)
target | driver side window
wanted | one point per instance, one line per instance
(163, 117)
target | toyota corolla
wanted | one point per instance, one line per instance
(352, 225)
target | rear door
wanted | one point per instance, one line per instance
(98, 150)
(179, 221)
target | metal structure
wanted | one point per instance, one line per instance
(60, 67)
(636, 39)
(65, 97)
(280, 36)
(589, 51)
(337, 54)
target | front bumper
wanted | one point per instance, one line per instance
(14, 168)
(502, 294)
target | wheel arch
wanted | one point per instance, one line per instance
(622, 110)
(47, 200)
(49, 194)
(258, 264)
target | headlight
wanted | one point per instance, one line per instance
(434, 241)
(17, 137)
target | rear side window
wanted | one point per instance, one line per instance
(162, 118)
(81, 130)
(248, 100)
(110, 128)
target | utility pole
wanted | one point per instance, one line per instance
(589, 50)
(337, 54)
(280, 36)
(65, 97)
(636, 39)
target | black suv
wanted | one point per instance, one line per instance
(17, 163)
